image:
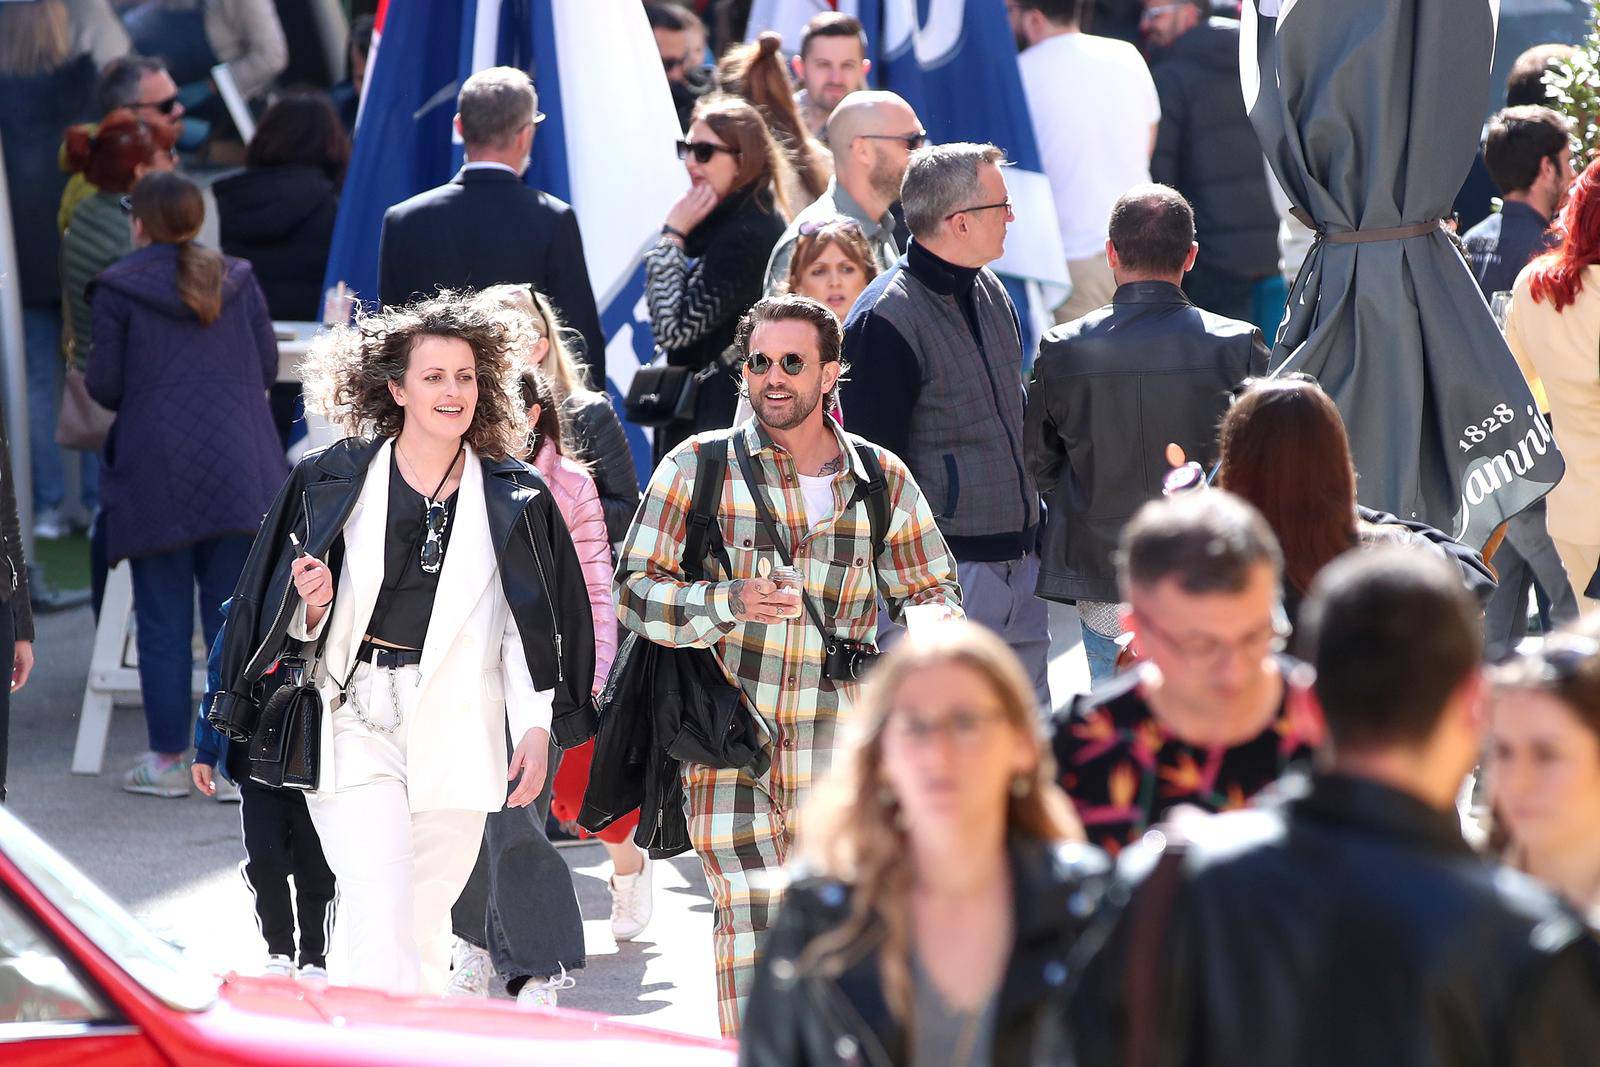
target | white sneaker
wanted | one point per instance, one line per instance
(537, 994)
(472, 969)
(312, 973)
(48, 525)
(227, 792)
(278, 967)
(154, 778)
(632, 903)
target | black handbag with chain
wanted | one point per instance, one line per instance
(286, 748)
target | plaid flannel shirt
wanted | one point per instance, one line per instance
(779, 667)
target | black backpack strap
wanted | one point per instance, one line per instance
(711, 467)
(875, 492)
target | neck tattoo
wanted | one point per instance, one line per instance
(833, 466)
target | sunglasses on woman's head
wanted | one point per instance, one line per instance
(812, 227)
(702, 150)
(760, 363)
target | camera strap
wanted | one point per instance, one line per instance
(764, 513)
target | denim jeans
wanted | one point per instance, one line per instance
(42, 332)
(1101, 652)
(519, 903)
(163, 609)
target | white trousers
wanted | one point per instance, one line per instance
(398, 872)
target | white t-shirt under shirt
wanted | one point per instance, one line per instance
(818, 494)
(1093, 106)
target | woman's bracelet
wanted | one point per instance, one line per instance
(672, 233)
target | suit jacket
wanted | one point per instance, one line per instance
(475, 676)
(486, 227)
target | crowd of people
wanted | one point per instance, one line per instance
(1320, 804)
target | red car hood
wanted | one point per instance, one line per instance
(272, 1021)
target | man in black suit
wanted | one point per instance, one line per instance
(486, 226)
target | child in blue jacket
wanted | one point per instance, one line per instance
(279, 843)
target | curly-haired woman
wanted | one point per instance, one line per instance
(433, 578)
(948, 878)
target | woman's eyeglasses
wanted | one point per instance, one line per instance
(963, 727)
(912, 141)
(438, 517)
(759, 363)
(703, 150)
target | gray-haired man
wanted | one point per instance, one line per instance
(935, 349)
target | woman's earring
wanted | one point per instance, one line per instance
(1021, 785)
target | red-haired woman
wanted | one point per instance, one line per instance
(1554, 327)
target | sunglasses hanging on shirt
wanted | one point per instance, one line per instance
(434, 520)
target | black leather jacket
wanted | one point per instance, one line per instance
(539, 573)
(1345, 923)
(795, 1018)
(1109, 392)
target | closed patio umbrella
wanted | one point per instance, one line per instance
(1369, 112)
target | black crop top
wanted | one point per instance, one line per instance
(405, 600)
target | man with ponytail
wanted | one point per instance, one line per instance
(183, 352)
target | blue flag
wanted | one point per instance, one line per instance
(605, 147)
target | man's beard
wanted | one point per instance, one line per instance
(885, 178)
(797, 410)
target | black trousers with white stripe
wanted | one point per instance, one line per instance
(281, 844)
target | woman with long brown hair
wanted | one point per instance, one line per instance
(756, 72)
(708, 268)
(1283, 448)
(184, 353)
(1554, 328)
(946, 877)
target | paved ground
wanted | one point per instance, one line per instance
(174, 863)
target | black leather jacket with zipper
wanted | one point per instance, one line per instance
(539, 573)
(798, 1015)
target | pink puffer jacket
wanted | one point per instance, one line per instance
(579, 503)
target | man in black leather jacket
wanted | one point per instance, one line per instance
(1111, 390)
(1348, 922)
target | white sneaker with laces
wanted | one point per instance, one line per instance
(632, 903)
(278, 967)
(472, 970)
(227, 792)
(542, 994)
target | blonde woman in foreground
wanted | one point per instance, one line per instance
(946, 874)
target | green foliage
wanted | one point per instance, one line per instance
(1575, 83)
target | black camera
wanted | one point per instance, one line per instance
(847, 661)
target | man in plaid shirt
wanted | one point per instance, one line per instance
(809, 471)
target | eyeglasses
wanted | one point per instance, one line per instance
(166, 107)
(438, 517)
(1203, 648)
(1156, 12)
(1006, 203)
(126, 204)
(703, 150)
(912, 141)
(759, 363)
(964, 727)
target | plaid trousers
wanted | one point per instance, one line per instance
(741, 828)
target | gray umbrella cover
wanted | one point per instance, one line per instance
(1369, 114)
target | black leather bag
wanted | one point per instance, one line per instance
(286, 748)
(661, 394)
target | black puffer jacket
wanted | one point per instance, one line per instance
(1346, 923)
(1109, 392)
(1207, 150)
(539, 573)
(600, 440)
(281, 220)
(796, 1018)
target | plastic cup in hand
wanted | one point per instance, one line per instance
(789, 583)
